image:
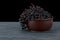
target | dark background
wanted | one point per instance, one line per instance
(10, 10)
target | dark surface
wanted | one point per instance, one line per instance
(12, 31)
(10, 10)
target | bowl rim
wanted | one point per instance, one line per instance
(42, 19)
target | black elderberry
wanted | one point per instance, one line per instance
(34, 12)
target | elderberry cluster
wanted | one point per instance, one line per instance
(34, 12)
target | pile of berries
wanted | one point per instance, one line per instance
(34, 12)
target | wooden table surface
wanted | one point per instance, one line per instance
(12, 31)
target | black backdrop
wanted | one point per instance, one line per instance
(10, 10)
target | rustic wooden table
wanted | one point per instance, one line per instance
(12, 31)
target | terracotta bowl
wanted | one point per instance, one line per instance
(40, 25)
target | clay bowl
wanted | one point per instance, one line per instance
(40, 25)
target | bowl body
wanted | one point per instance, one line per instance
(40, 25)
